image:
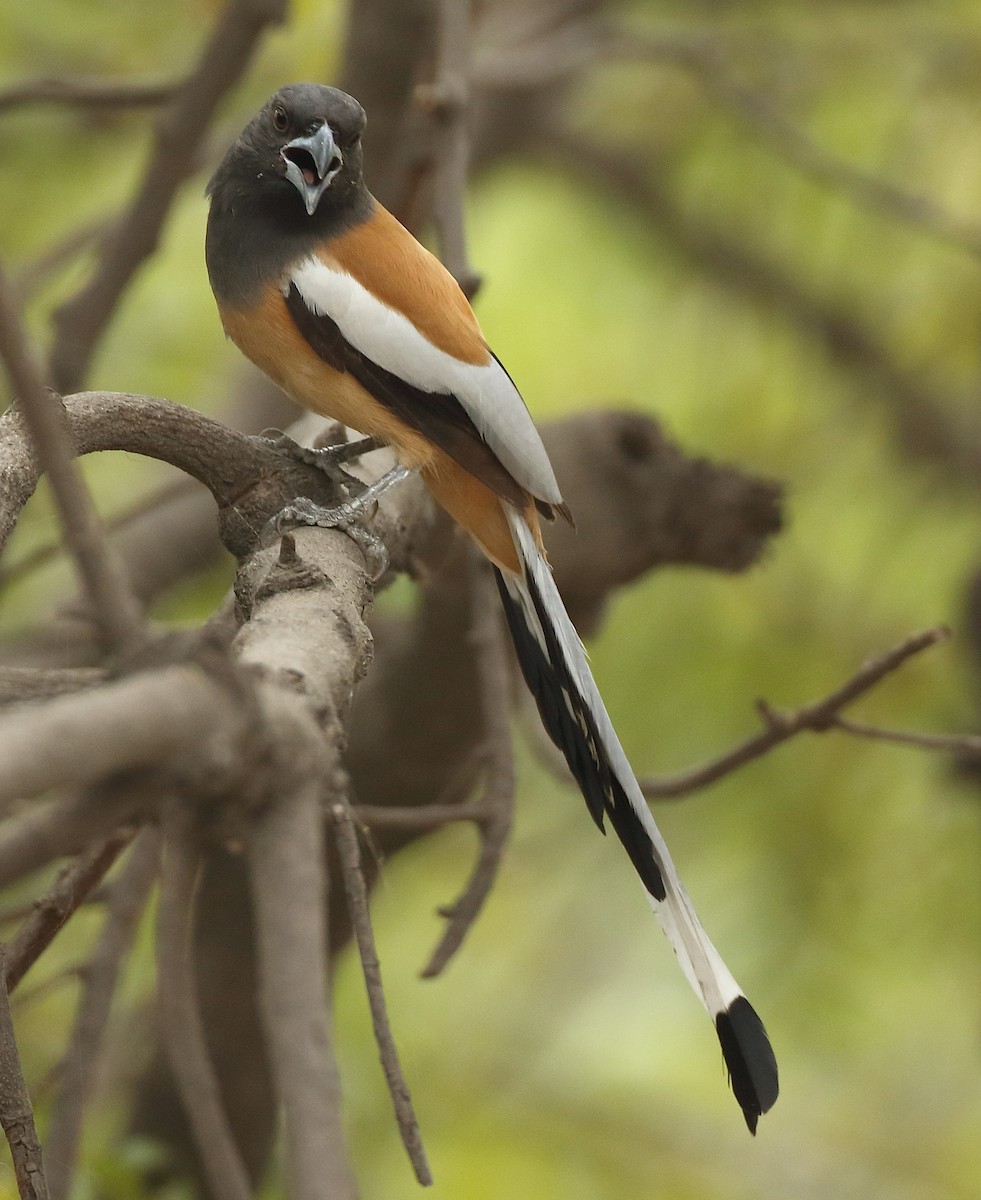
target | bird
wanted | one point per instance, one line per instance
(340, 305)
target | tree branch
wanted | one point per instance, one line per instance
(16, 1111)
(85, 93)
(128, 894)
(80, 322)
(113, 604)
(57, 906)
(181, 1018)
(497, 802)
(779, 726)
(446, 102)
(356, 891)
(930, 425)
(143, 720)
(288, 876)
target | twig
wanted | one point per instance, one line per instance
(930, 424)
(114, 607)
(818, 717)
(183, 1031)
(29, 278)
(62, 900)
(758, 113)
(41, 555)
(356, 892)
(18, 684)
(446, 100)
(288, 879)
(77, 1072)
(966, 744)
(425, 816)
(85, 93)
(538, 57)
(81, 321)
(500, 784)
(16, 1111)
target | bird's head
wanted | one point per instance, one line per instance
(308, 138)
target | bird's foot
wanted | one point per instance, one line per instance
(329, 459)
(350, 518)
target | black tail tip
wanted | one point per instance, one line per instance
(749, 1058)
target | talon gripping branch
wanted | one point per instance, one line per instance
(329, 295)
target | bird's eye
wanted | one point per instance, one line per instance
(281, 118)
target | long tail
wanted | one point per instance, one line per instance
(555, 668)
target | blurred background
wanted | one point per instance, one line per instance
(760, 222)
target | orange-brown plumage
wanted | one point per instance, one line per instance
(267, 334)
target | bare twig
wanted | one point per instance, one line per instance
(446, 100)
(16, 1111)
(497, 801)
(930, 424)
(28, 278)
(18, 684)
(179, 133)
(758, 113)
(77, 1071)
(62, 900)
(966, 744)
(356, 892)
(575, 45)
(426, 816)
(114, 607)
(817, 717)
(288, 878)
(821, 716)
(41, 555)
(85, 93)
(536, 57)
(181, 1017)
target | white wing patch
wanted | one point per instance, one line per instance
(390, 340)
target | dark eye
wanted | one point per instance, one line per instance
(281, 118)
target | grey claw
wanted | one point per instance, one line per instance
(347, 518)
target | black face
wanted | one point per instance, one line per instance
(303, 149)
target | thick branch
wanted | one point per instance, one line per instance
(128, 894)
(251, 481)
(181, 1017)
(446, 101)
(144, 720)
(287, 869)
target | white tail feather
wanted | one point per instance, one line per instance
(555, 667)
(700, 961)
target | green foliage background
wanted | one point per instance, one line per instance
(562, 1055)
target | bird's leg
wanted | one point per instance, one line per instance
(328, 459)
(349, 517)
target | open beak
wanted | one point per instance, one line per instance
(311, 164)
